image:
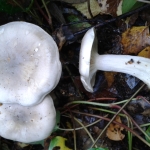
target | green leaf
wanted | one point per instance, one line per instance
(38, 142)
(4, 147)
(98, 148)
(78, 26)
(29, 7)
(57, 121)
(129, 5)
(58, 141)
(10, 7)
(148, 133)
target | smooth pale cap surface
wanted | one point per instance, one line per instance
(27, 124)
(86, 63)
(29, 63)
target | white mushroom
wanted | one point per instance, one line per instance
(27, 124)
(29, 63)
(90, 61)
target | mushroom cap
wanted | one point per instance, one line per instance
(86, 66)
(29, 63)
(27, 124)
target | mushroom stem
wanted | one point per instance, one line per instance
(134, 65)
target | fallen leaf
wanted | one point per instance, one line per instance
(56, 12)
(38, 142)
(148, 133)
(70, 17)
(146, 112)
(145, 52)
(110, 77)
(4, 146)
(114, 131)
(11, 7)
(113, 8)
(22, 145)
(47, 142)
(135, 39)
(129, 21)
(69, 126)
(83, 8)
(58, 141)
(146, 17)
(60, 38)
(57, 120)
(130, 5)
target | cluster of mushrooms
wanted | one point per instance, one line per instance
(30, 69)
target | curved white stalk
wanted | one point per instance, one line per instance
(134, 65)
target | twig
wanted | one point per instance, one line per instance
(89, 9)
(107, 119)
(66, 67)
(74, 132)
(85, 130)
(29, 12)
(80, 128)
(95, 103)
(39, 8)
(116, 106)
(118, 113)
(49, 16)
(143, 1)
(96, 99)
(143, 98)
(129, 133)
(112, 20)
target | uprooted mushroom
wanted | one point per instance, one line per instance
(29, 63)
(90, 61)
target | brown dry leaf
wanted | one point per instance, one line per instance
(22, 145)
(69, 126)
(146, 112)
(59, 38)
(145, 52)
(129, 21)
(103, 93)
(83, 8)
(145, 15)
(56, 12)
(113, 8)
(114, 131)
(110, 77)
(135, 39)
